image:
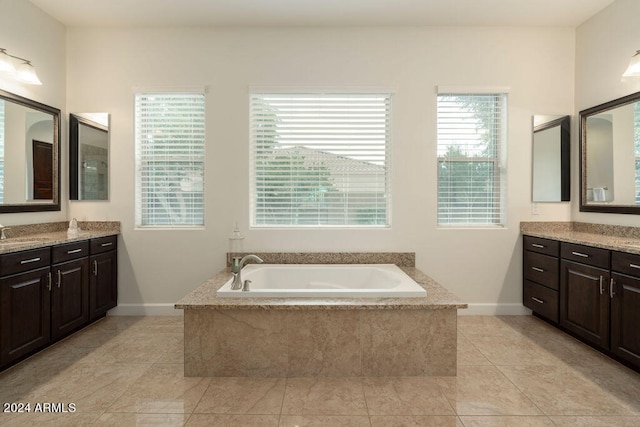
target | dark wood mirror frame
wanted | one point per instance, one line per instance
(74, 151)
(39, 207)
(584, 115)
(564, 124)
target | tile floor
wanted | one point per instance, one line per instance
(512, 371)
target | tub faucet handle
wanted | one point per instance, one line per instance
(245, 286)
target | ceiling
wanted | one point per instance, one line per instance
(128, 13)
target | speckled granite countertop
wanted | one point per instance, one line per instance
(612, 237)
(204, 297)
(34, 236)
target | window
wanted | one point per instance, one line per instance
(320, 160)
(169, 132)
(471, 154)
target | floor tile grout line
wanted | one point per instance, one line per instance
(284, 393)
(509, 380)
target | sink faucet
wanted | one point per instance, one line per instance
(238, 263)
(3, 236)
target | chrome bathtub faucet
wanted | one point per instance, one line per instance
(3, 236)
(238, 263)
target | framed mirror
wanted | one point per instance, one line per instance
(551, 159)
(89, 156)
(29, 155)
(610, 156)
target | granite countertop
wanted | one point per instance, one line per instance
(612, 237)
(204, 297)
(35, 236)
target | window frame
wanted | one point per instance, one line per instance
(499, 161)
(140, 161)
(388, 94)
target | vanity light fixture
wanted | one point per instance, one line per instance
(633, 70)
(25, 72)
(6, 66)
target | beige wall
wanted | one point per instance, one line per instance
(482, 266)
(604, 46)
(27, 32)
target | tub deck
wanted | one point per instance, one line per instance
(204, 297)
(292, 337)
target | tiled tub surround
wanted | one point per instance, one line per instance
(33, 236)
(279, 337)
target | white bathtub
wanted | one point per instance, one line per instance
(325, 280)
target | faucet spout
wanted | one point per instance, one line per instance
(237, 268)
(3, 230)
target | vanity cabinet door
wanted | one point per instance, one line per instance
(625, 318)
(69, 296)
(25, 300)
(584, 302)
(103, 283)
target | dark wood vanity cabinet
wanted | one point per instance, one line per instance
(70, 290)
(584, 301)
(541, 266)
(598, 294)
(584, 292)
(24, 303)
(48, 293)
(103, 279)
(625, 306)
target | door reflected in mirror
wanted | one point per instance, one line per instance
(89, 156)
(551, 162)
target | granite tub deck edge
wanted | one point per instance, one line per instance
(204, 297)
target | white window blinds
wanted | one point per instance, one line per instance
(320, 159)
(471, 153)
(170, 141)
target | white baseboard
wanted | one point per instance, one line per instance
(478, 309)
(492, 309)
(145, 310)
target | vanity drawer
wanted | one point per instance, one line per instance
(69, 251)
(542, 269)
(540, 299)
(585, 254)
(18, 262)
(625, 263)
(103, 244)
(540, 245)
